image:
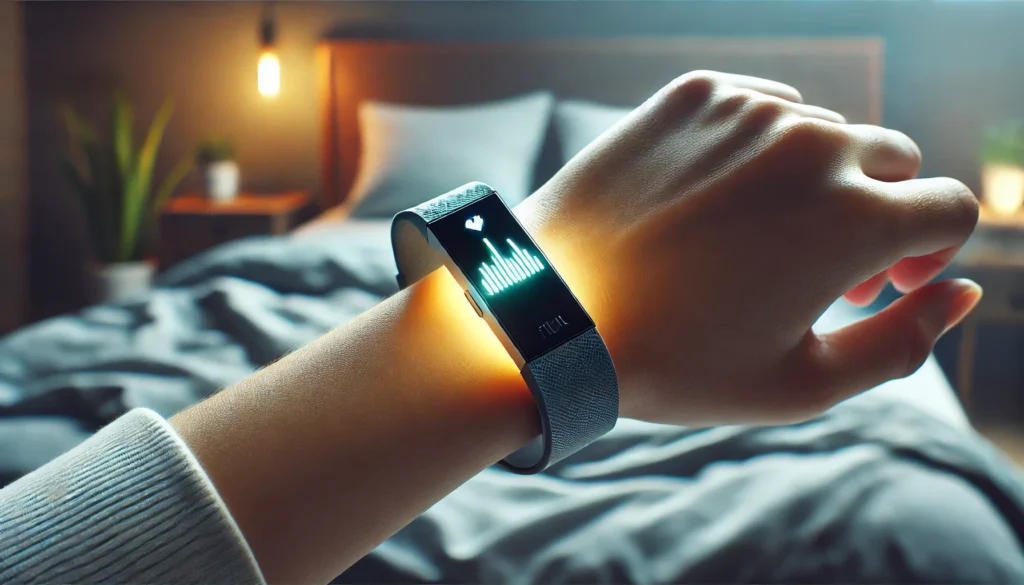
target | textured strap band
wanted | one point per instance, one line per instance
(413, 255)
(574, 385)
(577, 395)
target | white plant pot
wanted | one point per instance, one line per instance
(220, 181)
(114, 282)
(1002, 188)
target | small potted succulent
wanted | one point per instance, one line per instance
(216, 160)
(113, 180)
(1002, 170)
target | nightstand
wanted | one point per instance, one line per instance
(994, 258)
(191, 223)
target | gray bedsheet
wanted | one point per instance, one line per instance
(877, 490)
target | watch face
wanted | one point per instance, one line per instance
(511, 275)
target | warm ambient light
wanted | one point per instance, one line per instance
(268, 73)
(268, 70)
(1003, 188)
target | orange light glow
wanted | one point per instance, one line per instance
(442, 295)
(268, 74)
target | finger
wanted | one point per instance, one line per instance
(866, 292)
(762, 110)
(911, 273)
(928, 215)
(886, 155)
(890, 344)
(765, 86)
(810, 111)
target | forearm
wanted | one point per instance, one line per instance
(326, 453)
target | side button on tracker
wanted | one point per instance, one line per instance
(476, 308)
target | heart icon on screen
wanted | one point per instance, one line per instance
(475, 223)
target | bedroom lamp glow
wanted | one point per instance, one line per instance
(268, 69)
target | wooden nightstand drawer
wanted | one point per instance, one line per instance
(192, 224)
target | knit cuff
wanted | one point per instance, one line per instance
(130, 504)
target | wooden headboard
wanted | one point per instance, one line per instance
(841, 74)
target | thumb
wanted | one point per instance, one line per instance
(891, 344)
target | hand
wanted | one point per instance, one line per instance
(708, 231)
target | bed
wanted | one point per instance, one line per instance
(876, 490)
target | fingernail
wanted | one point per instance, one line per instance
(964, 304)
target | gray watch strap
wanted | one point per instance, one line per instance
(577, 395)
(574, 385)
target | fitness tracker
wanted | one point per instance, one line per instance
(513, 286)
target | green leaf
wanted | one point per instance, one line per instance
(114, 183)
(164, 192)
(171, 181)
(122, 135)
(137, 200)
(147, 156)
(78, 130)
(126, 176)
(137, 207)
(1004, 145)
(85, 200)
(213, 150)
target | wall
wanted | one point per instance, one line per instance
(13, 188)
(948, 73)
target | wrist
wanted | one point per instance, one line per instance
(400, 405)
(584, 269)
(528, 307)
(454, 346)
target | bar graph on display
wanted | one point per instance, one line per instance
(504, 272)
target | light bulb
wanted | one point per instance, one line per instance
(268, 73)
(1003, 188)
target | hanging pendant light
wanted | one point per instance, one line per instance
(268, 69)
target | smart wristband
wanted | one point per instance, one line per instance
(516, 290)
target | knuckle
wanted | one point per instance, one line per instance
(889, 143)
(915, 346)
(913, 151)
(732, 103)
(810, 135)
(762, 113)
(689, 92)
(699, 79)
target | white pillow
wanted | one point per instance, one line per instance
(578, 123)
(414, 153)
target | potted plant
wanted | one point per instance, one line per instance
(1002, 171)
(113, 183)
(216, 158)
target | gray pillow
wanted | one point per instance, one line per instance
(578, 123)
(414, 153)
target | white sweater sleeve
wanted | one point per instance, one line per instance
(130, 504)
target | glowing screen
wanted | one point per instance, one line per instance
(515, 280)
